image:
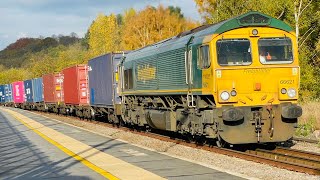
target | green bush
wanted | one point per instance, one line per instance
(307, 128)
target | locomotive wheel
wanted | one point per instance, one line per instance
(220, 142)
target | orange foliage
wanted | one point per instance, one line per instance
(152, 25)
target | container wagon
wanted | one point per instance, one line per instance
(18, 93)
(37, 85)
(75, 90)
(8, 95)
(53, 92)
(33, 89)
(28, 90)
(2, 95)
(103, 86)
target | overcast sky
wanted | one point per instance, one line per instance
(34, 18)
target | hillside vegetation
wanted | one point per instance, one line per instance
(17, 61)
(19, 52)
(33, 57)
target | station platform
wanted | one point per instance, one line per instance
(36, 147)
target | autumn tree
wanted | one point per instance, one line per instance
(71, 56)
(13, 74)
(152, 25)
(129, 13)
(103, 35)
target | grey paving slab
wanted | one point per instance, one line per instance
(160, 164)
(25, 155)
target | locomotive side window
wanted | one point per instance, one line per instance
(204, 57)
(275, 50)
(233, 52)
(128, 79)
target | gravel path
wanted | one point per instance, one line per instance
(218, 161)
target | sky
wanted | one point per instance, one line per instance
(34, 18)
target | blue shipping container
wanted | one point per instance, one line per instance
(37, 85)
(28, 90)
(8, 93)
(2, 94)
(102, 84)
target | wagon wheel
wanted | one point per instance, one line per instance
(220, 142)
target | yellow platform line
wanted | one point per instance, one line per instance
(104, 173)
(139, 173)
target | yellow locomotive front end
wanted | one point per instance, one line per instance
(254, 78)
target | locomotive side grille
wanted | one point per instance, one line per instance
(171, 69)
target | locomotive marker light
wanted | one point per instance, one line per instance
(233, 93)
(292, 92)
(254, 32)
(225, 95)
(283, 91)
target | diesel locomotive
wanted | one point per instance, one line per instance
(236, 81)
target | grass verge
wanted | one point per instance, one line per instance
(310, 119)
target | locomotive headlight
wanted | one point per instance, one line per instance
(291, 92)
(225, 95)
(254, 32)
(233, 93)
(283, 91)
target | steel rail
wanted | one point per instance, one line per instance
(298, 153)
(305, 162)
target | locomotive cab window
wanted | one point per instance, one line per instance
(128, 79)
(233, 52)
(204, 57)
(275, 50)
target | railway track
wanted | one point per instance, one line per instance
(313, 141)
(286, 158)
(291, 159)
